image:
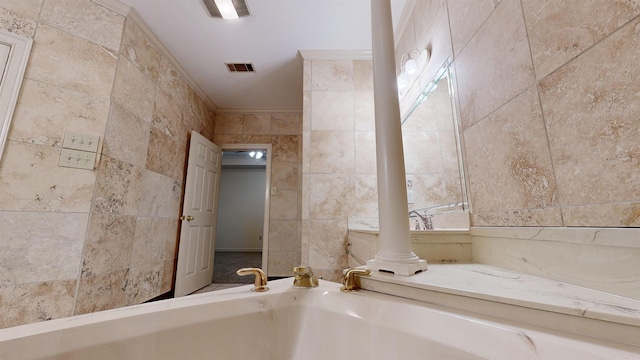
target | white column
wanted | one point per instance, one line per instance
(394, 241)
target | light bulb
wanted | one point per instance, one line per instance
(403, 81)
(259, 155)
(252, 154)
(411, 66)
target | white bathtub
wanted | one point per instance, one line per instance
(291, 323)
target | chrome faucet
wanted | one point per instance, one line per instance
(425, 219)
(260, 284)
(304, 277)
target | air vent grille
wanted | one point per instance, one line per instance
(239, 5)
(240, 67)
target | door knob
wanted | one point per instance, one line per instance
(188, 217)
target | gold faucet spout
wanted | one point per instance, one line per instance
(350, 281)
(260, 284)
(304, 277)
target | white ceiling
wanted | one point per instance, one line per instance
(269, 38)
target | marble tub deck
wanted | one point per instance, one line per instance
(517, 296)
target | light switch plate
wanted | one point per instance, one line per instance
(77, 159)
(77, 141)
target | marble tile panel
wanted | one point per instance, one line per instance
(286, 148)
(284, 175)
(256, 124)
(161, 153)
(71, 62)
(610, 269)
(306, 74)
(30, 179)
(620, 237)
(109, 242)
(363, 75)
(284, 235)
(488, 79)
(422, 152)
(180, 163)
(306, 151)
(40, 246)
(44, 112)
(559, 31)
(332, 75)
(227, 139)
(286, 124)
(428, 190)
(332, 152)
(281, 263)
(328, 244)
(118, 187)
(160, 195)
(448, 151)
(167, 115)
(171, 82)
(133, 90)
(466, 17)
(306, 196)
(168, 272)
(140, 51)
(364, 111)
(85, 19)
(331, 196)
(284, 205)
(101, 292)
(256, 139)
(366, 195)
(432, 32)
(144, 282)
(154, 240)
(618, 215)
(306, 110)
(365, 152)
(193, 111)
(332, 110)
(591, 108)
(17, 23)
(28, 8)
(513, 171)
(549, 216)
(34, 302)
(228, 124)
(127, 137)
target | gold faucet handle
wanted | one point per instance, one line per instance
(260, 283)
(304, 277)
(350, 280)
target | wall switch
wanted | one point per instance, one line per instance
(77, 141)
(274, 191)
(77, 159)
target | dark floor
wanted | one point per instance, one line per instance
(226, 264)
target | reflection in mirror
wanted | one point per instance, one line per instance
(436, 189)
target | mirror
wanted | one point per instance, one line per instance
(436, 188)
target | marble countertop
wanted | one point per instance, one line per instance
(495, 284)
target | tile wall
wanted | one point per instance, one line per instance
(76, 241)
(283, 131)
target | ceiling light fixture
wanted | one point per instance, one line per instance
(227, 9)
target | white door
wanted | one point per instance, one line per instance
(198, 231)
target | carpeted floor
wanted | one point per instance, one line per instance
(226, 264)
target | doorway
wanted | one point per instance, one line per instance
(243, 215)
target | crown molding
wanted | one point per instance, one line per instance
(114, 5)
(335, 54)
(137, 20)
(259, 111)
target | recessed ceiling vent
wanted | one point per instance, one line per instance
(240, 67)
(227, 9)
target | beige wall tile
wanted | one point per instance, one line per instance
(365, 149)
(363, 75)
(332, 110)
(151, 240)
(286, 148)
(513, 171)
(331, 196)
(366, 199)
(496, 64)
(284, 205)
(286, 124)
(127, 137)
(328, 244)
(284, 235)
(228, 124)
(28, 8)
(167, 116)
(591, 111)
(133, 90)
(422, 152)
(118, 188)
(284, 175)
(466, 17)
(17, 23)
(30, 179)
(160, 195)
(523, 217)
(72, 63)
(281, 263)
(332, 75)
(144, 282)
(33, 302)
(140, 51)
(85, 19)
(108, 244)
(332, 152)
(606, 215)
(161, 153)
(39, 247)
(364, 111)
(44, 112)
(101, 292)
(560, 30)
(432, 32)
(171, 82)
(256, 124)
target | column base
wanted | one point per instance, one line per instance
(404, 269)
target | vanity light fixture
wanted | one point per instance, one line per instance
(227, 9)
(411, 64)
